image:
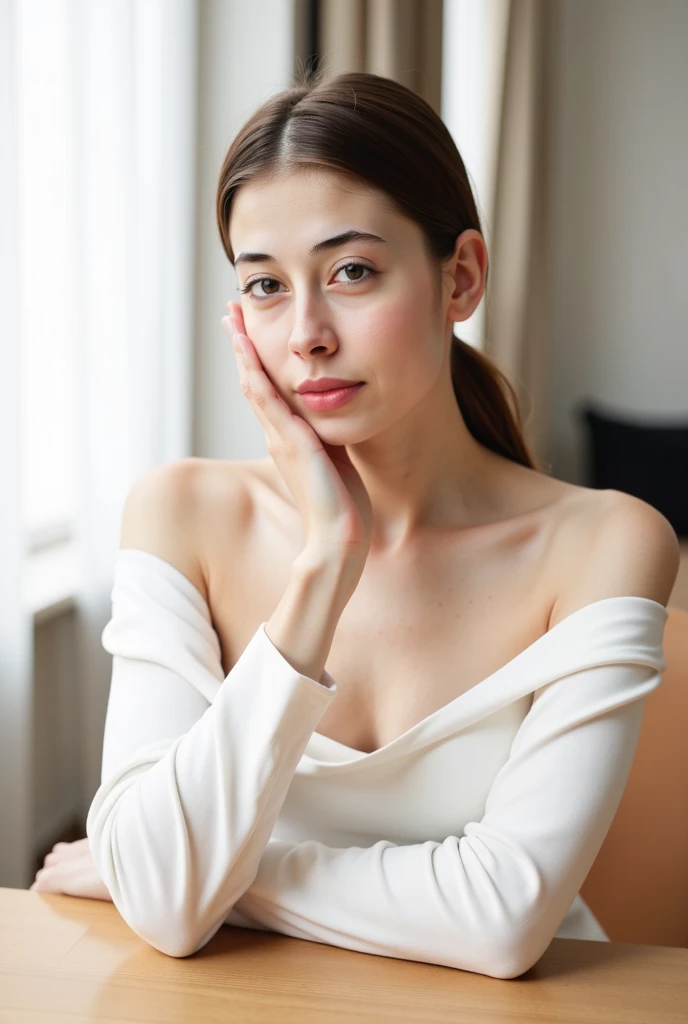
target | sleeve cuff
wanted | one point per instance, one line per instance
(326, 682)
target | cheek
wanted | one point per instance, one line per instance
(398, 336)
(391, 323)
(268, 341)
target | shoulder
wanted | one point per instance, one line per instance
(174, 508)
(623, 547)
(638, 547)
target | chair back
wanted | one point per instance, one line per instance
(637, 887)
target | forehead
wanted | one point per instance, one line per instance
(302, 207)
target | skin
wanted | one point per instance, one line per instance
(472, 557)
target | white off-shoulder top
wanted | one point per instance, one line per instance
(463, 842)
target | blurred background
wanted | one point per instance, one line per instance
(114, 119)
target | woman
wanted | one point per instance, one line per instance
(441, 790)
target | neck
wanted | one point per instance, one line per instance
(427, 472)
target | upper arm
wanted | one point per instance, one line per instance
(160, 516)
(631, 549)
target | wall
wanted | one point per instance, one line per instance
(620, 224)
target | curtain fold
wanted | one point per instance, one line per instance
(401, 39)
(518, 312)
(135, 98)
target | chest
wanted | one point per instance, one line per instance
(417, 633)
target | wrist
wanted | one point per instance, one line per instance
(303, 624)
(320, 561)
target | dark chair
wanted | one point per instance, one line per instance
(648, 459)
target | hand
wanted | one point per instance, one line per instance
(69, 868)
(330, 496)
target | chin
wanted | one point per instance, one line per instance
(343, 433)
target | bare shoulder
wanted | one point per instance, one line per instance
(638, 547)
(621, 546)
(173, 509)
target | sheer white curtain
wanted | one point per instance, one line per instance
(16, 625)
(132, 95)
(137, 167)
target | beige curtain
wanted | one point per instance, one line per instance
(401, 39)
(517, 327)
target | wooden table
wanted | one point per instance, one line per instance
(75, 960)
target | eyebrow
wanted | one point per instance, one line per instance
(328, 243)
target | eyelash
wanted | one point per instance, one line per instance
(246, 290)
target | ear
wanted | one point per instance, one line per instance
(463, 275)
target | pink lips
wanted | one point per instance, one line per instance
(326, 400)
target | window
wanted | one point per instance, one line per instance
(47, 239)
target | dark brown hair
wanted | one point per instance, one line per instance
(381, 134)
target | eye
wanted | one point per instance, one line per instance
(266, 282)
(356, 266)
(261, 281)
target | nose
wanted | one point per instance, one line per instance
(312, 333)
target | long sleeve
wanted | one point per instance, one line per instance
(491, 899)
(195, 766)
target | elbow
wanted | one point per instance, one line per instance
(175, 949)
(171, 949)
(512, 958)
(494, 958)
(176, 932)
(159, 909)
(504, 949)
(509, 965)
(168, 937)
(173, 934)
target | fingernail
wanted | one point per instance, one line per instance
(229, 326)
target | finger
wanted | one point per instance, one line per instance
(277, 419)
(255, 385)
(236, 314)
(41, 882)
(236, 317)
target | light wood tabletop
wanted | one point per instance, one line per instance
(75, 960)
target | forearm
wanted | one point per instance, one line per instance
(181, 819)
(303, 624)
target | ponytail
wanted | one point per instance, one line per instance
(489, 404)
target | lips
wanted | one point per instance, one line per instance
(325, 384)
(332, 398)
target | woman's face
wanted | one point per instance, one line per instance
(363, 310)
